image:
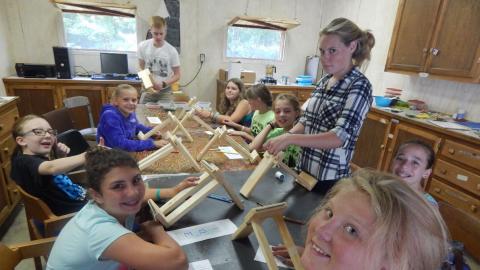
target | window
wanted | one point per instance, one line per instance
(255, 43)
(100, 32)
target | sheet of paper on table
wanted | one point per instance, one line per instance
(260, 258)
(203, 231)
(449, 125)
(154, 120)
(230, 152)
(200, 265)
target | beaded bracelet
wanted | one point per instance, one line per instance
(157, 195)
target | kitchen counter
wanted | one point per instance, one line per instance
(469, 135)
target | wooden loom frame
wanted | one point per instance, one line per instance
(221, 132)
(171, 119)
(176, 143)
(268, 161)
(191, 115)
(183, 111)
(253, 222)
(146, 78)
(187, 199)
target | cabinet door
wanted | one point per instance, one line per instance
(4, 202)
(96, 95)
(13, 192)
(412, 34)
(36, 99)
(457, 39)
(370, 147)
(404, 133)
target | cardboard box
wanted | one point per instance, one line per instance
(222, 74)
(248, 76)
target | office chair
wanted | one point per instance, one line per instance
(82, 101)
(11, 256)
(59, 119)
(41, 222)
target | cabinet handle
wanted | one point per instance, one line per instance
(434, 51)
(395, 121)
(473, 208)
(451, 151)
(5, 150)
(16, 117)
(443, 171)
(437, 190)
(382, 146)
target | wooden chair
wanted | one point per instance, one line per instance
(59, 119)
(81, 101)
(11, 256)
(463, 227)
(41, 221)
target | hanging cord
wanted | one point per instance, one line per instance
(246, 7)
(194, 77)
(295, 12)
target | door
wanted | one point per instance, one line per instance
(370, 147)
(412, 34)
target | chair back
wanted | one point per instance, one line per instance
(59, 119)
(73, 139)
(80, 101)
(463, 227)
(11, 256)
(42, 222)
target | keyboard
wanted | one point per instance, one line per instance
(114, 76)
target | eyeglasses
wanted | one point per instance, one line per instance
(42, 132)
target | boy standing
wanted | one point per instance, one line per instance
(161, 58)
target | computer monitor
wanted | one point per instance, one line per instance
(114, 63)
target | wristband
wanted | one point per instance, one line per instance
(164, 84)
(157, 195)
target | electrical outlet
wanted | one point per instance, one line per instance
(202, 58)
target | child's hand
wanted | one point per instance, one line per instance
(282, 254)
(203, 113)
(62, 149)
(232, 124)
(186, 183)
(151, 230)
(160, 143)
(275, 145)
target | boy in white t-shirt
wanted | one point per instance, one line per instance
(161, 58)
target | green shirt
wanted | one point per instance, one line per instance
(260, 120)
(291, 153)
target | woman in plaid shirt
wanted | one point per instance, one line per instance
(329, 127)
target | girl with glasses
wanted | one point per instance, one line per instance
(35, 169)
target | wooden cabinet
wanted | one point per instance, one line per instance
(456, 171)
(371, 143)
(34, 98)
(9, 196)
(439, 37)
(301, 92)
(39, 96)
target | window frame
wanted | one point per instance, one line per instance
(254, 60)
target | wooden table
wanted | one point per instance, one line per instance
(177, 163)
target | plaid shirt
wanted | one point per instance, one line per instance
(340, 110)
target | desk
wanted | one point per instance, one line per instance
(41, 95)
(232, 255)
(175, 162)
